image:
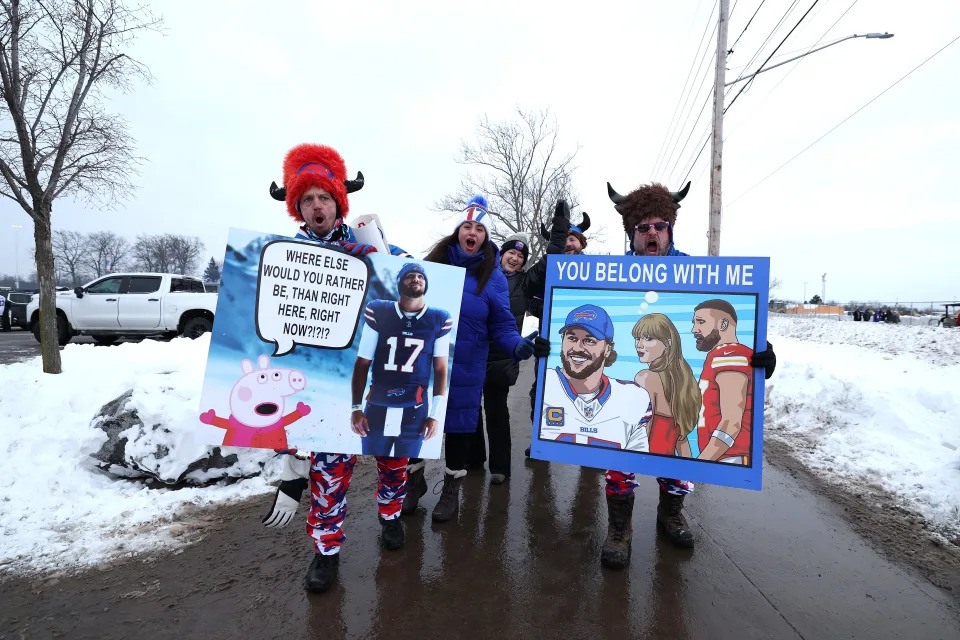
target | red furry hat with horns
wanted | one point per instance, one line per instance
(315, 165)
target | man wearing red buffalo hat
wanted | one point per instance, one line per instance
(315, 191)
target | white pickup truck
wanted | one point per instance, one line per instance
(122, 305)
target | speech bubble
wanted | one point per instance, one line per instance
(309, 295)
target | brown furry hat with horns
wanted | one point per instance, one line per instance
(648, 201)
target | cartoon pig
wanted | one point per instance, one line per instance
(256, 406)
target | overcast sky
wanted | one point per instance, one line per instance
(396, 86)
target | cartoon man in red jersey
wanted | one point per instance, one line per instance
(726, 415)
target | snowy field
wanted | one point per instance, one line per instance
(872, 403)
(856, 402)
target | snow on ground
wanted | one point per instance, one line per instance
(57, 509)
(857, 402)
(872, 403)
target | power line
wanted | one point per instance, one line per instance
(678, 107)
(938, 52)
(766, 40)
(732, 47)
(750, 81)
(812, 47)
(677, 132)
(690, 135)
(676, 150)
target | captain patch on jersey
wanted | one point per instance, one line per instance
(616, 416)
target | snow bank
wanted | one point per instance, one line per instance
(57, 509)
(872, 403)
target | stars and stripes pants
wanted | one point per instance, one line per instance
(623, 484)
(330, 475)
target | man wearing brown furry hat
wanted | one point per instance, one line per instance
(649, 215)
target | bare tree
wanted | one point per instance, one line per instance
(167, 253)
(106, 252)
(518, 167)
(70, 255)
(185, 253)
(152, 253)
(57, 58)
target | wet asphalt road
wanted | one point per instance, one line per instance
(18, 345)
(522, 561)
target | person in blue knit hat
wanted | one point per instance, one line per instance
(484, 317)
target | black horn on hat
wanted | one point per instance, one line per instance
(616, 198)
(680, 195)
(278, 193)
(584, 224)
(355, 185)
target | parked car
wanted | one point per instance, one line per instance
(124, 305)
(16, 308)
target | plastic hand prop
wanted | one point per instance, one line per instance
(293, 482)
(766, 360)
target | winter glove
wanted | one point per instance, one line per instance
(541, 347)
(532, 345)
(559, 228)
(766, 360)
(293, 482)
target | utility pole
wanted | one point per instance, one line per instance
(717, 144)
(823, 292)
(804, 293)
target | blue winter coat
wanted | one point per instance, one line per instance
(484, 316)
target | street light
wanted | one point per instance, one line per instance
(869, 36)
(16, 275)
(713, 233)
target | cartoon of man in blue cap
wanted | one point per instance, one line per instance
(581, 405)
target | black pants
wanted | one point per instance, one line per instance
(457, 451)
(498, 430)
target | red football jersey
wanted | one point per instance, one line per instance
(729, 357)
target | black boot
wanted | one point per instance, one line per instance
(617, 547)
(391, 534)
(416, 487)
(671, 522)
(322, 573)
(449, 502)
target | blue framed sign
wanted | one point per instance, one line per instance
(649, 369)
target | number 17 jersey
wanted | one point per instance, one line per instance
(403, 359)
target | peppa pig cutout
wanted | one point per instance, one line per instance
(257, 405)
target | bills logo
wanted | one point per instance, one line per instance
(588, 429)
(585, 315)
(519, 245)
(554, 416)
(395, 393)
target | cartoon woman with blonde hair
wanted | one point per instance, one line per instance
(674, 393)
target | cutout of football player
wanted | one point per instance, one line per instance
(674, 394)
(726, 418)
(580, 403)
(403, 340)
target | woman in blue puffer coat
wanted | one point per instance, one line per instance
(484, 316)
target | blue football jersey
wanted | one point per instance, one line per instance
(404, 357)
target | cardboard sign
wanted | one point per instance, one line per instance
(303, 330)
(649, 369)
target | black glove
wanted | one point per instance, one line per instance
(559, 228)
(561, 217)
(766, 360)
(541, 347)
